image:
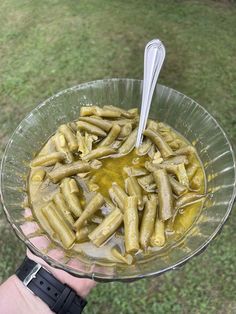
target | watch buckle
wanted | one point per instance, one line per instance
(31, 275)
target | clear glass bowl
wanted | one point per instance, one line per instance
(170, 106)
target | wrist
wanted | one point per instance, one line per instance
(81, 286)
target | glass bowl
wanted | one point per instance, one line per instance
(170, 106)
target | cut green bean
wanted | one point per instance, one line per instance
(71, 198)
(186, 150)
(158, 140)
(129, 143)
(38, 175)
(99, 152)
(57, 223)
(165, 197)
(112, 135)
(134, 189)
(94, 205)
(124, 113)
(48, 160)
(131, 223)
(100, 123)
(68, 170)
(148, 221)
(177, 187)
(188, 198)
(69, 136)
(191, 170)
(82, 234)
(158, 237)
(127, 258)
(198, 180)
(109, 225)
(117, 195)
(87, 111)
(125, 131)
(90, 128)
(181, 159)
(63, 208)
(61, 146)
(144, 147)
(136, 171)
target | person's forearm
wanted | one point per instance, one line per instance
(15, 298)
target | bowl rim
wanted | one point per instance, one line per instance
(94, 275)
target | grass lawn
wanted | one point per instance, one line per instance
(46, 46)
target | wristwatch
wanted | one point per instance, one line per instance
(59, 297)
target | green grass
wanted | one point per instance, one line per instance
(46, 46)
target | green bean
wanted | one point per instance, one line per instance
(134, 111)
(146, 180)
(124, 113)
(181, 159)
(100, 123)
(95, 110)
(63, 208)
(131, 223)
(107, 113)
(178, 170)
(177, 187)
(43, 221)
(148, 221)
(96, 164)
(174, 144)
(94, 205)
(158, 237)
(129, 143)
(109, 225)
(85, 143)
(109, 203)
(191, 170)
(127, 258)
(112, 135)
(165, 197)
(123, 122)
(125, 130)
(182, 175)
(61, 146)
(186, 150)
(144, 147)
(82, 234)
(57, 223)
(158, 140)
(68, 170)
(48, 160)
(167, 137)
(188, 198)
(117, 195)
(99, 152)
(198, 179)
(152, 125)
(90, 128)
(38, 175)
(71, 198)
(134, 189)
(87, 111)
(162, 127)
(69, 136)
(135, 171)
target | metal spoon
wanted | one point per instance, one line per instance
(154, 56)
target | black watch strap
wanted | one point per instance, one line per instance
(58, 296)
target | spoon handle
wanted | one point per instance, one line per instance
(154, 56)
